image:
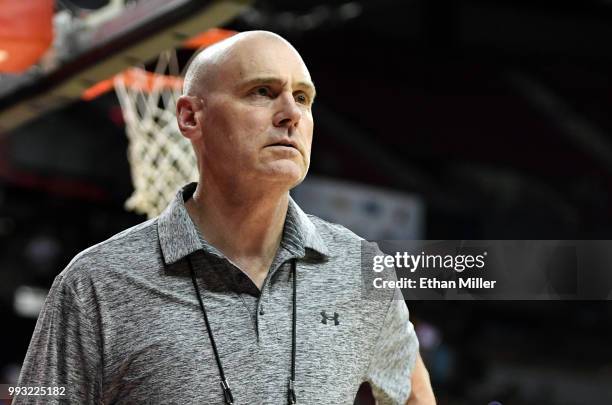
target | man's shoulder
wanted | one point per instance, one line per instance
(132, 247)
(339, 237)
(343, 243)
(349, 253)
(334, 231)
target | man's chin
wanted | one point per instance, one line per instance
(287, 173)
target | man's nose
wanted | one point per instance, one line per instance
(289, 113)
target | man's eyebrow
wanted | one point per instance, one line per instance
(275, 80)
(310, 86)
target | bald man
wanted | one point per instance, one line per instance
(233, 294)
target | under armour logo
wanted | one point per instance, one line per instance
(326, 317)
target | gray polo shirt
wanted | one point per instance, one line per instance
(122, 323)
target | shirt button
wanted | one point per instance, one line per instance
(261, 310)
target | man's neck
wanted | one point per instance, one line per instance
(246, 228)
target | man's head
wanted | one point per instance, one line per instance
(246, 107)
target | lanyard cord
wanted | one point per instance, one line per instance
(227, 392)
(292, 399)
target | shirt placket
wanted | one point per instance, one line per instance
(268, 314)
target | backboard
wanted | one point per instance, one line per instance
(94, 45)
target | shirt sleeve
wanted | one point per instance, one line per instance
(64, 351)
(394, 355)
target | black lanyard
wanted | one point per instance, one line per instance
(227, 392)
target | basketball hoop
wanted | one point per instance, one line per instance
(161, 159)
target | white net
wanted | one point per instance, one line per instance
(161, 159)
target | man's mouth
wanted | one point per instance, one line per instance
(285, 143)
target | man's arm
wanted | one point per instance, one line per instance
(396, 359)
(422, 393)
(64, 351)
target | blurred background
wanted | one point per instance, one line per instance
(434, 119)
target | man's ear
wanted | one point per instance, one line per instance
(189, 116)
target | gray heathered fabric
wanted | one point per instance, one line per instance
(122, 324)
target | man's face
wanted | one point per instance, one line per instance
(257, 121)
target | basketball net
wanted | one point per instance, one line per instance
(161, 159)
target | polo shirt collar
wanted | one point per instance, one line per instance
(300, 233)
(178, 236)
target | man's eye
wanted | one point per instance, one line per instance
(301, 98)
(263, 91)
